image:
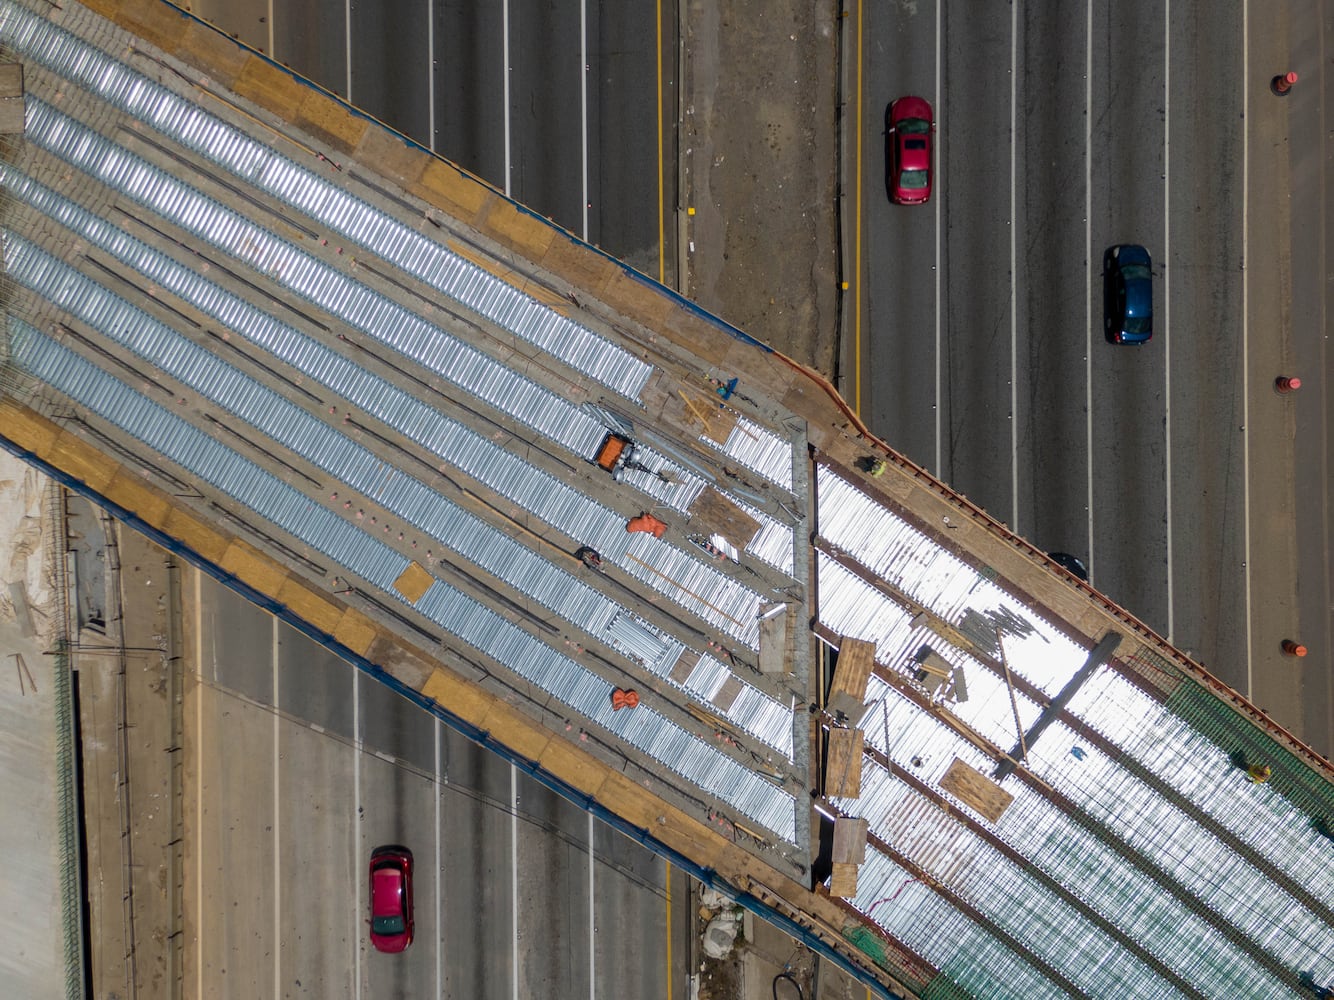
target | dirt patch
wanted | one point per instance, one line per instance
(759, 158)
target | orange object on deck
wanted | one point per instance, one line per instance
(613, 445)
(646, 522)
(621, 698)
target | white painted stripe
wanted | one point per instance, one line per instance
(347, 45)
(583, 105)
(358, 849)
(439, 909)
(514, 881)
(1088, 285)
(430, 92)
(1166, 309)
(275, 625)
(940, 331)
(272, 40)
(1014, 270)
(200, 936)
(1246, 332)
(592, 917)
(505, 64)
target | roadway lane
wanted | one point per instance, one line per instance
(305, 765)
(1203, 311)
(899, 379)
(1055, 280)
(1129, 554)
(978, 266)
(570, 126)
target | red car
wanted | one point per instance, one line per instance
(391, 898)
(909, 136)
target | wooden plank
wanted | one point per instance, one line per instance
(850, 840)
(716, 514)
(852, 669)
(843, 767)
(843, 882)
(976, 789)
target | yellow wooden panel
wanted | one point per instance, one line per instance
(205, 49)
(153, 21)
(856, 658)
(519, 732)
(529, 235)
(321, 115)
(130, 492)
(578, 769)
(75, 457)
(413, 582)
(27, 429)
(843, 771)
(446, 185)
(355, 631)
(270, 87)
(843, 882)
(463, 699)
(309, 606)
(252, 567)
(196, 535)
(850, 840)
(976, 789)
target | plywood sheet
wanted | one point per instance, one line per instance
(976, 789)
(715, 514)
(850, 841)
(847, 694)
(413, 582)
(843, 767)
(843, 882)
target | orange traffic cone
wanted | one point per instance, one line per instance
(1293, 648)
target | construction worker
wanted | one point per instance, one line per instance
(1258, 773)
(876, 466)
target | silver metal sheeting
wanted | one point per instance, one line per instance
(1086, 865)
(186, 123)
(280, 261)
(375, 562)
(366, 472)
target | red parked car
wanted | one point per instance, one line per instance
(391, 898)
(909, 137)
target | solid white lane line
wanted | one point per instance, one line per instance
(1166, 270)
(505, 64)
(514, 880)
(1014, 271)
(430, 90)
(940, 333)
(1245, 330)
(347, 45)
(1088, 285)
(592, 918)
(583, 104)
(277, 842)
(200, 936)
(362, 902)
(439, 911)
(272, 41)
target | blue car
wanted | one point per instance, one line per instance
(1128, 273)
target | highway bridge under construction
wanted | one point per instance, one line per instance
(660, 566)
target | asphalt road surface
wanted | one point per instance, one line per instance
(1065, 129)
(557, 105)
(303, 766)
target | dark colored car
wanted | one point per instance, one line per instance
(1128, 272)
(1072, 563)
(391, 898)
(909, 137)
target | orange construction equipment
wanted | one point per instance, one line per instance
(613, 446)
(622, 698)
(646, 522)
